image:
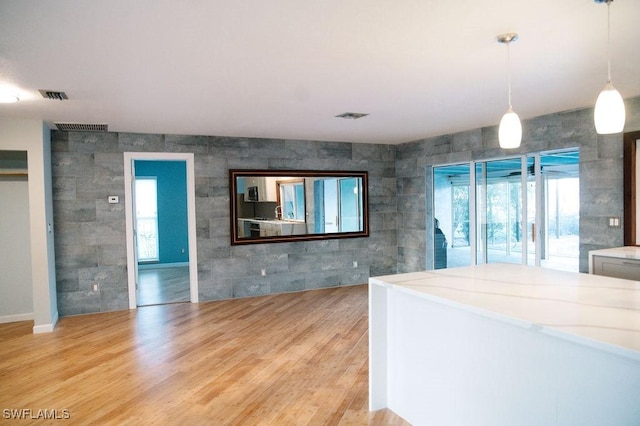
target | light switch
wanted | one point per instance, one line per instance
(114, 199)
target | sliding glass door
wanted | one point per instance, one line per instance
(453, 236)
(500, 213)
(522, 210)
(559, 236)
(350, 205)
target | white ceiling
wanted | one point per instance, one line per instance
(285, 68)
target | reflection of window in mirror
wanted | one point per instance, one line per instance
(350, 205)
(341, 205)
(291, 200)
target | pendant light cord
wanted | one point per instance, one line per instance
(609, 40)
(509, 72)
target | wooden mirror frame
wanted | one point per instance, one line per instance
(630, 188)
(233, 201)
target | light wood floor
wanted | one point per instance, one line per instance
(297, 359)
(163, 285)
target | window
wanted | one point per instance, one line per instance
(291, 199)
(342, 205)
(146, 230)
(350, 206)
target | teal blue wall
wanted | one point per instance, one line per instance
(172, 207)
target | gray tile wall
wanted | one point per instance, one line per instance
(90, 233)
(600, 176)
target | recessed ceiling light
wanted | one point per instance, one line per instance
(351, 115)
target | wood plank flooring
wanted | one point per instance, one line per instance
(163, 285)
(289, 359)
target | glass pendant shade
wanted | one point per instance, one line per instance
(609, 114)
(510, 130)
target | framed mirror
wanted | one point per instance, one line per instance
(288, 205)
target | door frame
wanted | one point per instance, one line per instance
(188, 158)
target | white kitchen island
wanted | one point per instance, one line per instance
(505, 344)
(270, 227)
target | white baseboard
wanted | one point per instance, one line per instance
(161, 265)
(46, 328)
(16, 318)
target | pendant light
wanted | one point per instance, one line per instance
(8, 96)
(609, 113)
(510, 130)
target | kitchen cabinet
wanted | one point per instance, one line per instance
(268, 229)
(266, 188)
(618, 262)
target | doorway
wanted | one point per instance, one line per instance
(16, 291)
(161, 236)
(522, 210)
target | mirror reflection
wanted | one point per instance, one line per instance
(273, 206)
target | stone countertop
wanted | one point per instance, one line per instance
(598, 311)
(627, 252)
(250, 219)
(272, 221)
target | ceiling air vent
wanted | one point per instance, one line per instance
(52, 94)
(351, 115)
(78, 127)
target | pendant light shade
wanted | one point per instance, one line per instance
(510, 130)
(609, 114)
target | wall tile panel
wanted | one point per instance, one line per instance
(88, 167)
(600, 174)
